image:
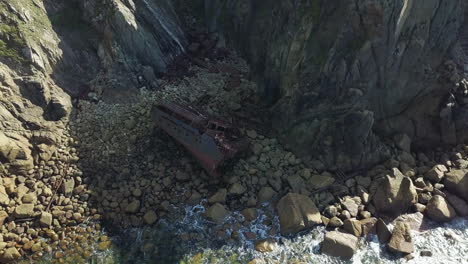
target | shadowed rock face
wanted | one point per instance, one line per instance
(338, 72)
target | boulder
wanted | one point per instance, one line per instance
(414, 220)
(456, 182)
(216, 213)
(350, 205)
(9, 255)
(383, 233)
(335, 222)
(236, 189)
(436, 173)
(133, 207)
(353, 226)
(338, 244)
(460, 206)
(150, 217)
(439, 210)
(3, 217)
(266, 245)
(218, 197)
(296, 213)
(24, 210)
(401, 239)
(46, 219)
(368, 225)
(249, 214)
(320, 181)
(395, 194)
(296, 182)
(266, 194)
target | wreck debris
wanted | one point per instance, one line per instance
(213, 142)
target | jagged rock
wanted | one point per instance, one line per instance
(297, 212)
(218, 197)
(460, 206)
(24, 210)
(150, 217)
(266, 194)
(46, 219)
(266, 245)
(353, 226)
(395, 195)
(439, 210)
(339, 244)
(456, 182)
(216, 213)
(436, 173)
(401, 239)
(383, 233)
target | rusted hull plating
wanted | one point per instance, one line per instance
(203, 146)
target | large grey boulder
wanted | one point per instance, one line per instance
(296, 213)
(456, 182)
(439, 210)
(401, 240)
(339, 244)
(395, 194)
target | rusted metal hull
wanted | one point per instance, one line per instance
(203, 145)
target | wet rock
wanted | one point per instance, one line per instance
(456, 182)
(216, 213)
(383, 233)
(439, 210)
(436, 173)
(460, 206)
(266, 194)
(395, 195)
(425, 253)
(266, 245)
(353, 226)
(24, 210)
(150, 217)
(320, 181)
(46, 219)
(335, 222)
(10, 255)
(297, 212)
(339, 244)
(249, 214)
(401, 239)
(218, 197)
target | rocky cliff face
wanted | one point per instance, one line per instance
(52, 51)
(337, 73)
